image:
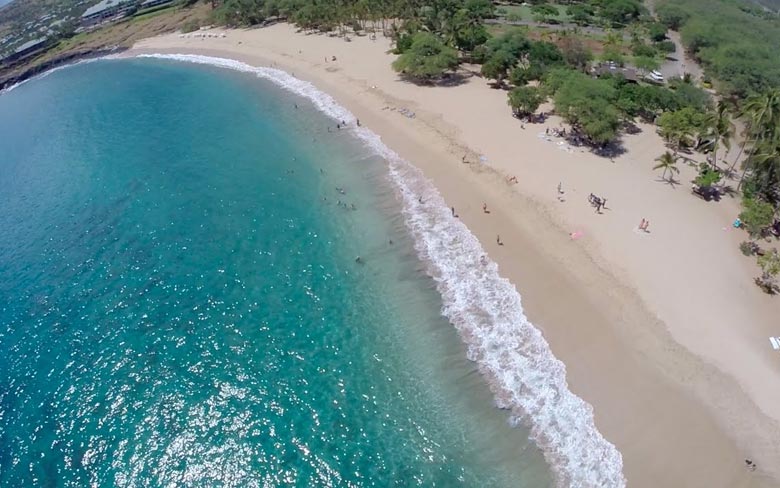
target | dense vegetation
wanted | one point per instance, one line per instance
(736, 41)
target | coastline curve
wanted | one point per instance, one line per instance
(486, 309)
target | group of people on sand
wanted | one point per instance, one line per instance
(556, 132)
(598, 202)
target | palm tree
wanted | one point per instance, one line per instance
(668, 162)
(676, 136)
(765, 162)
(763, 113)
(718, 125)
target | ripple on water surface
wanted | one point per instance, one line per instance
(180, 303)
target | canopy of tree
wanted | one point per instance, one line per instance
(526, 59)
(524, 100)
(588, 104)
(426, 59)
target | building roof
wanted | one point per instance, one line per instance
(629, 74)
(158, 2)
(103, 5)
(29, 44)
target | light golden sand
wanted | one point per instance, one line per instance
(663, 333)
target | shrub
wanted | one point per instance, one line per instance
(748, 248)
(524, 100)
(643, 50)
(190, 26)
(770, 267)
(666, 47)
(756, 216)
(426, 59)
(707, 177)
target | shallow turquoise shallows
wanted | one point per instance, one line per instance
(181, 302)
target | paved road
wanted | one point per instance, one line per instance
(679, 62)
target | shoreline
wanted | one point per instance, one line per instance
(526, 379)
(58, 62)
(617, 369)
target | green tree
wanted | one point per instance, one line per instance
(764, 180)
(524, 100)
(468, 29)
(498, 65)
(657, 31)
(588, 104)
(544, 55)
(770, 268)
(719, 129)
(580, 13)
(668, 162)
(763, 114)
(575, 52)
(614, 55)
(426, 59)
(707, 177)
(672, 16)
(620, 12)
(678, 127)
(240, 12)
(641, 49)
(513, 42)
(545, 13)
(756, 216)
(520, 76)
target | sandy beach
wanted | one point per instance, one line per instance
(663, 333)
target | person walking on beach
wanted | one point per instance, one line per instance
(642, 224)
(485, 209)
(453, 211)
(498, 240)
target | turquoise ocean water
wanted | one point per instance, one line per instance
(180, 302)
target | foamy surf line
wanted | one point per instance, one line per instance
(485, 308)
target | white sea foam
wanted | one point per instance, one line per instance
(486, 309)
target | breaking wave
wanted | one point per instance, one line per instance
(485, 308)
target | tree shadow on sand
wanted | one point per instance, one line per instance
(671, 181)
(446, 80)
(609, 150)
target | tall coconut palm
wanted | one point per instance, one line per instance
(668, 162)
(720, 129)
(765, 161)
(763, 114)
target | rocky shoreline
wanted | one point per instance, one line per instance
(14, 77)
